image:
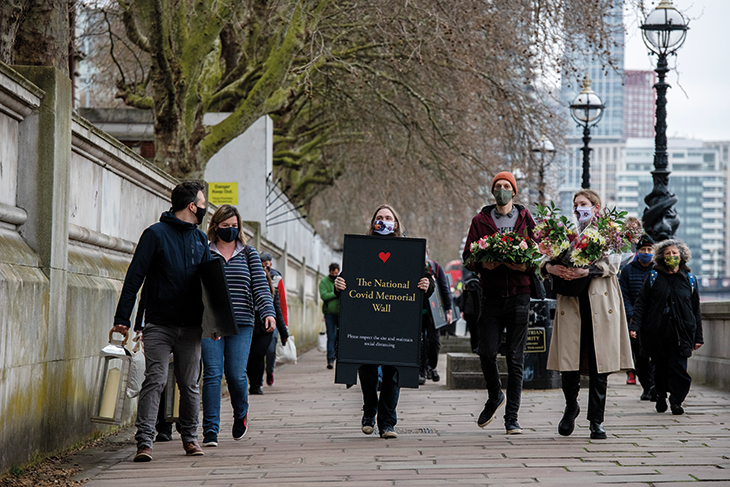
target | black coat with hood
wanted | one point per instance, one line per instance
(668, 308)
(166, 260)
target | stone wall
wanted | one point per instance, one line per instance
(73, 203)
(710, 364)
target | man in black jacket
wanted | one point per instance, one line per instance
(166, 260)
(631, 279)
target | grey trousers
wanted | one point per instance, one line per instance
(184, 344)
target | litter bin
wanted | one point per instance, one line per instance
(539, 333)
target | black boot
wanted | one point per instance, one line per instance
(570, 382)
(597, 431)
(567, 424)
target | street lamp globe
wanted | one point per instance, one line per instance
(544, 146)
(664, 29)
(587, 108)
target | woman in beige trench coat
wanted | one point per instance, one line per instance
(590, 333)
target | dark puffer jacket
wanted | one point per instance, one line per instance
(631, 279)
(666, 307)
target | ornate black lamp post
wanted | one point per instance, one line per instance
(546, 150)
(664, 32)
(587, 110)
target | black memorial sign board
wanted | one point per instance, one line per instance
(381, 309)
(218, 316)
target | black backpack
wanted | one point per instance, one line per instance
(472, 297)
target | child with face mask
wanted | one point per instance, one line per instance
(631, 279)
(668, 323)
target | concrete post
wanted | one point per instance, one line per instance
(43, 187)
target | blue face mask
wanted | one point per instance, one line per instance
(644, 258)
(227, 234)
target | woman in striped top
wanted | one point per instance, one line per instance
(249, 290)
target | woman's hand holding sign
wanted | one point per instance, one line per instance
(423, 284)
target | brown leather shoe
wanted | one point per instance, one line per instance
(144, 454)
(193, 448)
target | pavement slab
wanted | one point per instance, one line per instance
(305, 430)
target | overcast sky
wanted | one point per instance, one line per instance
(702, 70)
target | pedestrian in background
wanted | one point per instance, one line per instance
(249, 290)
(505, 302)
(631, 279)
(166, 260)
(278, 282)
(430, 336)
(590, 332)
(331, 310)
(668, 323)
(262, 337)
(382, 408)
(470, 302)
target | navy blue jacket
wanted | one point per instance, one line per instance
(631, 279)
(166, 260)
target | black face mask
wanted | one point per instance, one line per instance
(200, 213)
(227, 234)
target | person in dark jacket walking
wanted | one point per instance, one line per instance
(382, 407)
(278, 281)
(668, 322)
(470, 303)
(631, 279)
(166, 260)
(430, 336)
(262, 337)
(505, 302)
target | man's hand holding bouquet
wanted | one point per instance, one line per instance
(515, 251)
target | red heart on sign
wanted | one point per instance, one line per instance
(384, 256)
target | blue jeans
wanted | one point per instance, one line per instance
(229, 354)
(332, 322)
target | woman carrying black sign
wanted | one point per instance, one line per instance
(385, 221)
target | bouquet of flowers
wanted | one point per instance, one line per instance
(504, 247)
(554, 231)
(590, 246)
(609, 233)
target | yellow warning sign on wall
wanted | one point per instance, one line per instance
(223, 193)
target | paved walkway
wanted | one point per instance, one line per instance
(305, 430)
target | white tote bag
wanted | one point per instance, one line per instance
(136, 369)
(322, 342)
(286, 354)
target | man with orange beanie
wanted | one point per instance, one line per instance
(505, 302)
